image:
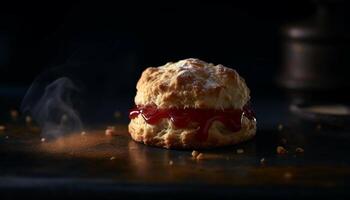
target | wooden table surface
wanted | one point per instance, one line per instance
(97, 165)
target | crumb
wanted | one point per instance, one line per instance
(287, 175)
(280, 127)
(239, 151)
(299, 150)
(171, 162)
(14, 114)
(318, 127)
(262, 161)
(117, 114)
(284, 141)
(281, 150)
(112, 158)
(6, 137)
(200, 156)
(28, 119)
(83, 133)
(43, 140)
(110, 130)
(195, 153)
(2, 127)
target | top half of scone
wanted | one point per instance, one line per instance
(192, 83)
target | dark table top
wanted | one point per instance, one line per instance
(97, 165)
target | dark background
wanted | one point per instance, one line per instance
(105, 45)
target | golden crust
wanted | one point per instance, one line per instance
(192, 83)
(165, 135)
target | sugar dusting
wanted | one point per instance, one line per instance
(188, 69)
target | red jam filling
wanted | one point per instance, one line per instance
(181, 118)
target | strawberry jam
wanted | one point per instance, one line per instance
(181, 118)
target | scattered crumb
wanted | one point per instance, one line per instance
(83, 133)
(200, 156)
(262, 161)
(318, 127)
(14, 114)
(281, 150)
(239, 151)
(43, 139)
(288, 175)
(171, 162)
(112, 158)
(28, 119)
(117, 114)
(284, 141)
(2, 127)
(6, 137)
(280, 127)
(195, 153)
(110, 130)
(299, 150)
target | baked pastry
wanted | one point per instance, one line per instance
(191, 104)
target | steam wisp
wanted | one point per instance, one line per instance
(52, 107)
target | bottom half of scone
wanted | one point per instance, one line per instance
(165, 134)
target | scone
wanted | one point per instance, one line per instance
(191, 104)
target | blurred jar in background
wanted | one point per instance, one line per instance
(316, 56)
